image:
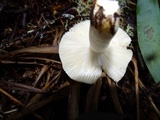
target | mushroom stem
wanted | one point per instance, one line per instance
(98, 41)
(104, 24)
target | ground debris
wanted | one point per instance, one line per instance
(33, 84)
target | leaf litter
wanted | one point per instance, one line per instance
(33, 84)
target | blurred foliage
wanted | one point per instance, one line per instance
(148, 23)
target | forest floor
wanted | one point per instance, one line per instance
(33, 84)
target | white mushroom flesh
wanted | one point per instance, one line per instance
(86, 49)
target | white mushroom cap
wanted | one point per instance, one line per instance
(78, 61)
(83, 65)
(95, 45)
(116, 57)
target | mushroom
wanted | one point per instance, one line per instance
(96, 45)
